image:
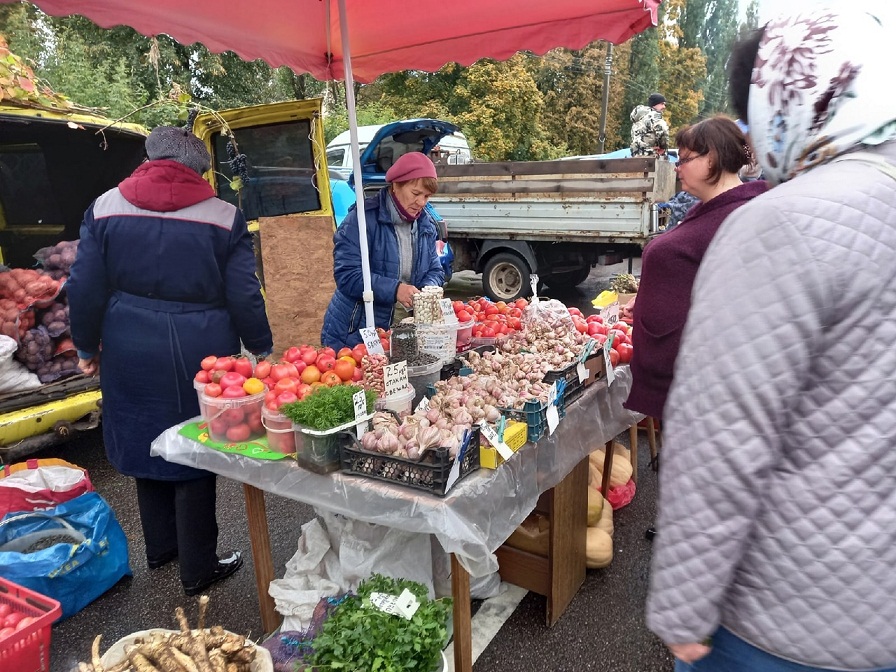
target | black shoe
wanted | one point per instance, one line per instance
(226, 567)
(162, 560)
(650, 533)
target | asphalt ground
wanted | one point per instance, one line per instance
(602, 630)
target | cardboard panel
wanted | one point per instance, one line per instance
(297, 256)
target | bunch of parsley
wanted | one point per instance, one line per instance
(326, 407)
(358, 636)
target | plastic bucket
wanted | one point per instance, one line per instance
(203, 407)
(281, 436)
(464, 340)
(228, 418)
(400, 404)
(439, 340)
(420, 377)
(319, 450)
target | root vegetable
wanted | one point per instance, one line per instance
(194, 646)
(140, 662)
(95, 654)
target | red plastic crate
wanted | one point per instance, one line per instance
(28, 649)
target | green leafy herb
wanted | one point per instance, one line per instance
(326, 407)
(358, 636)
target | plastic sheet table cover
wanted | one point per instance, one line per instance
(479, 512)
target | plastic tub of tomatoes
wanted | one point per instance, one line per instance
(279, 431)
(233, 419)
(25, 620)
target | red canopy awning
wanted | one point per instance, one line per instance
(385, 35)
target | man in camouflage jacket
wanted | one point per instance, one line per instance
(650, 132)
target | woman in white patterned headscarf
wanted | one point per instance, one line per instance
(777, 497)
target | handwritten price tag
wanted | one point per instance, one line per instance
(492, 437)
(395, 378)
(404, 605)
(553, 413)
(608, 345)
(423, 406)
(359, 400)
(372, 341)
(611, 313)
(447, 307)
(581, 372)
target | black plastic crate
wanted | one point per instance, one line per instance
(450, 370)
(571, 393)
(534, 414)
(429, 474)
(568, 373)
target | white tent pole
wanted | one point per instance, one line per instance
(356, 164)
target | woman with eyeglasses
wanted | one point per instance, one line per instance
(710, 154)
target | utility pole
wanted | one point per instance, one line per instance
(608, 67)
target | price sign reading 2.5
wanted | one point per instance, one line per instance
(395, 378)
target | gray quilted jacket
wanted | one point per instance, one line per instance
(777, 511)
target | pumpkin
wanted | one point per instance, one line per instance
(621, 471)
(621, 451)
(532, 536)
(598, 548)
(605, 522)
(595, 506)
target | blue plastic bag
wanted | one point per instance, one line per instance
(73, 552)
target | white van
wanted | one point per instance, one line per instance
(382, 144)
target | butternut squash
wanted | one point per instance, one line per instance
(605, 522)
(595, 506)
(598, 548)
(621, 471)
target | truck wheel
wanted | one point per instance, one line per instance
(568, 280)
(506, 277)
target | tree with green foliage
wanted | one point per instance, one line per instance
(710, 26)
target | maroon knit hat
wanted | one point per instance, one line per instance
(411, 166)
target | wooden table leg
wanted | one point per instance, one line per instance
(569, 524)
(651, 438)
(463, 629)
(633, 440)
(260, 537)
(608, 467)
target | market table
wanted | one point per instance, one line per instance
(471, 523)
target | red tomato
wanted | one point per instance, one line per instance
(594, 318)
(521, 303)
(232, 416)
(218, 429)
(625, 351)
(292, 354)
(254, 422)
(344, 352)
(358, 352)
(223, 364)
(5, 610)
(12, 620)
(202, 376)
(581, 326)
(286, 398)
(233, 392)
(488, 332)
(619, 336)
(272, 405)
(286, 385)
(614, 357)
(25, 622)
(243, 367)
(208, 363)
(269, 397)
(240, 432)
(327, 351)
(491, 309)
(262, 370)
(358, 375)
(325, 362)
(6, 632)
(300, 366)
(331, 379)
(595, 328)
(232, 379)
(280, 370)
(600, 338)
(303, 390)
(464, 316)
(213, 390)
(387, 346)
(309, 356)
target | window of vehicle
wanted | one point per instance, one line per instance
(336, 157)
(26, 196)
(280, 166)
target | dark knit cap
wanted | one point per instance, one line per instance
(655, 99)
(178, 144)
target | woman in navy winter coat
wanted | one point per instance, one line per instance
(164, 276)
(401, 239)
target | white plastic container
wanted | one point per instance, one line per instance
(464, 340)
(439, 340)
(281, 436)
(400, 404)
(224, 414)
(423, 376)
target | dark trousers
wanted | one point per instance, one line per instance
(180, 516)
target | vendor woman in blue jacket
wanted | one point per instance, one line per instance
(164, 276)
(401, 239)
